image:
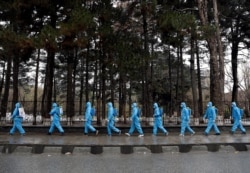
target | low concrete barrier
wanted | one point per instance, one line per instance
(37, 149)
(127, 149)
(96, 149)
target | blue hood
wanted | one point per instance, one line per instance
(155, 105)
(54, 105)
(134, 105)
(88, 104)
(233, 104)
(18, 105)
(109, 104)
(183, 105)
(209, 104)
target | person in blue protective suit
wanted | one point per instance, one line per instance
(111, 120)
(55, 113)
(158, 120)
(210, 114)
(17, 120)
(93, 111)
(185, 119)
(88, 120)
(135, 121)
(237, 114)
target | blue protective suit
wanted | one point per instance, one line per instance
(17, 121)
(158, 120)
(55, 113)
(93, 111)
(135, 118)
(88, 119)
(111, 120)
(185, 118)
(237, 113)
(210, 114)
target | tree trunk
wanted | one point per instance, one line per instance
(221, 58)
(193, 79)
(2, 79)
(95, 93)
(103, 88)
(81, 112)
(171, 105)
(15, 78)
(124, 98)
(200, 100)
(87, 77)
(36, 87)
(122, 95)
(47, 93)
(234, 59)
(215, 68)
(6, 88)
(215, 91)
(112, 86)
(70, 100)
(148, 105)
(234, 63)
(182, 74)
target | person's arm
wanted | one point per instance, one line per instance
(239, 114)
(87, 113)
(15, 113)
(134, 113)
(187, 115)
(52, 111)
(205, 115)
(155, 112)
(110, 114)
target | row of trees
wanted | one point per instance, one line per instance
(119, 51)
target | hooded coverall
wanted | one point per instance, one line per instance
(135, 118)
(88, 119)
(111, 120)
(17, 121)
(237, 113)
(211, 116)
(185, 120)
(158, 120)
(55, 113)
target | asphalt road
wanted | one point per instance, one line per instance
(199, 160)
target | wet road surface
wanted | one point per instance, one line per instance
(199, 160)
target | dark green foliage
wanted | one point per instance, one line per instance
(95, 48)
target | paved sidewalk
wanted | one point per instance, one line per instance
(79, 139)
(37, 141)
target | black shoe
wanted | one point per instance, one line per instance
(11, 134)
(23, 134)
(217, 134)
(62, 134)
(206, 134)
(243, 133)
(49, 133)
